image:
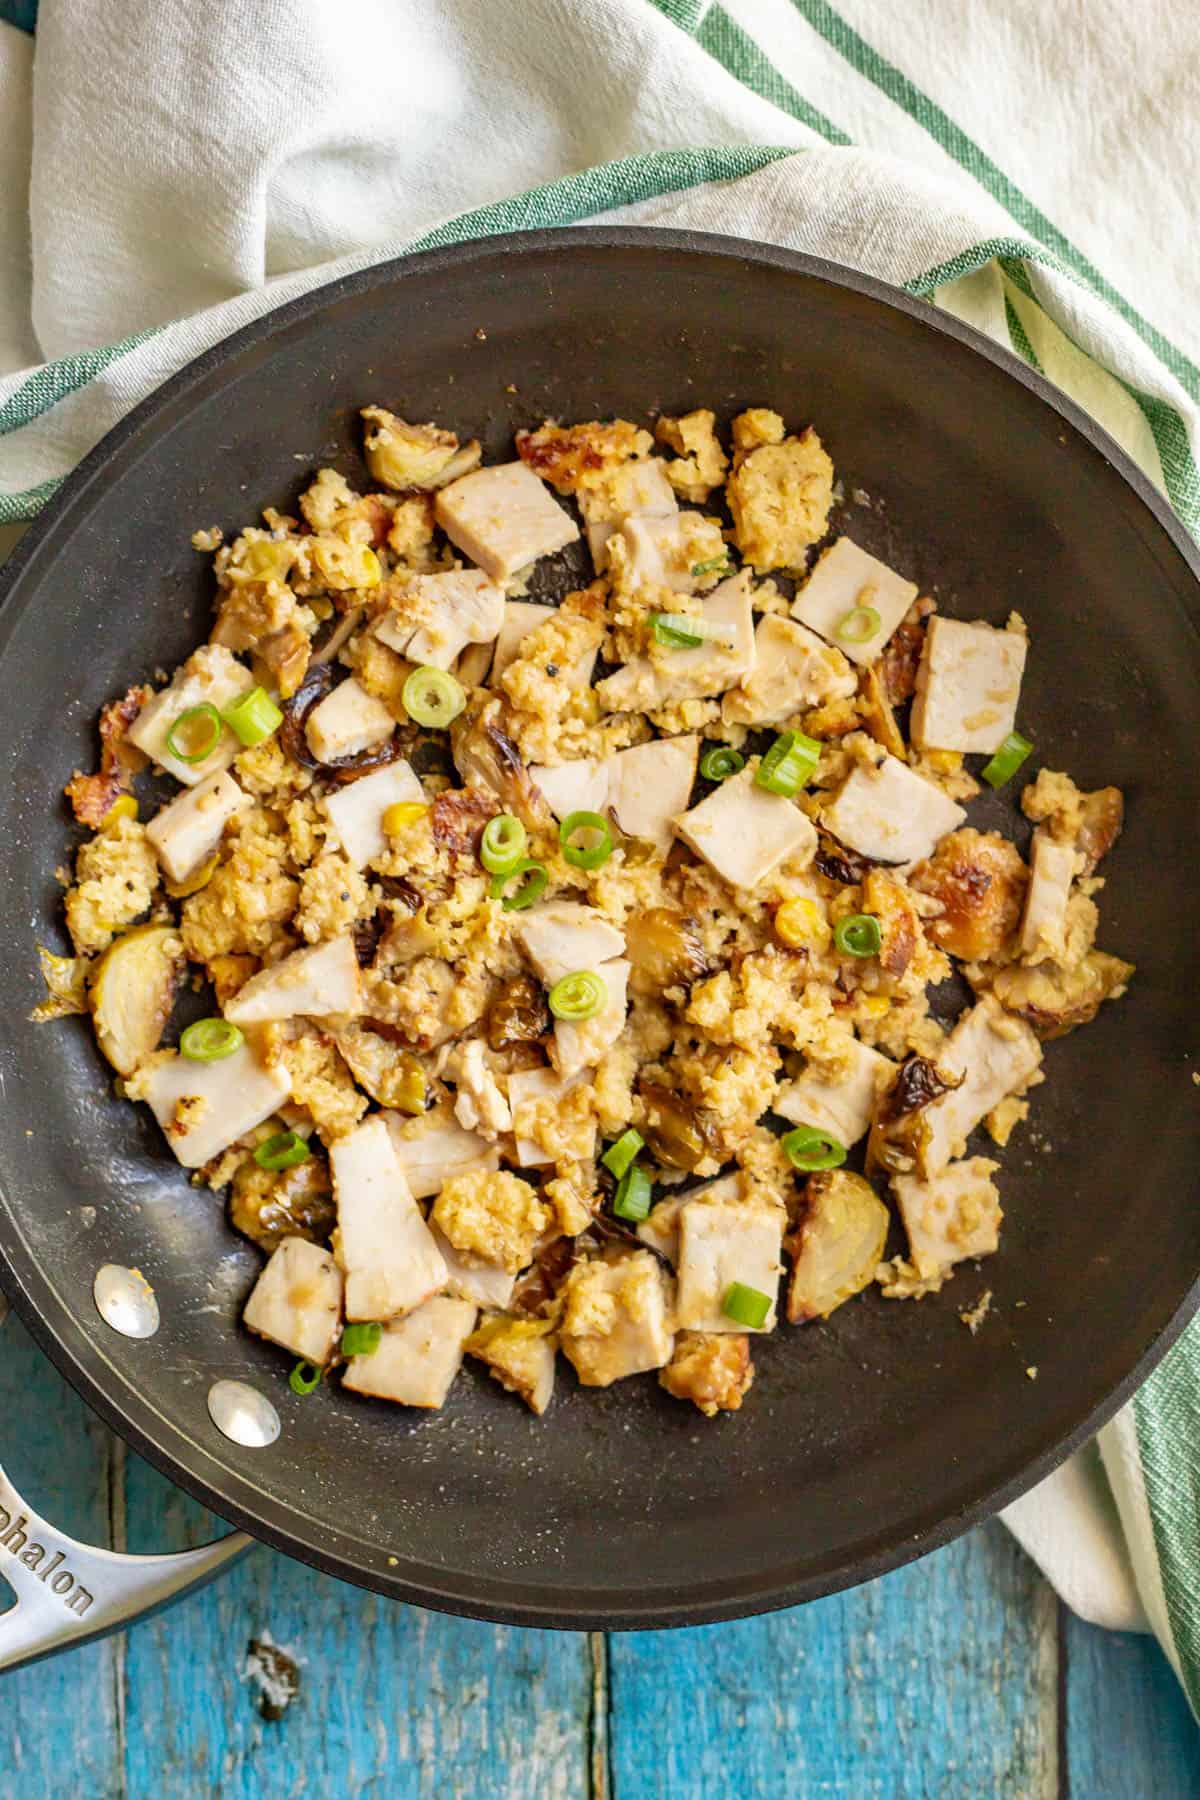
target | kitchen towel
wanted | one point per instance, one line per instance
(169, 172)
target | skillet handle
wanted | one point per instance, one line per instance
(69, 1593)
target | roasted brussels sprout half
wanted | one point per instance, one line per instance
(133, 991)
(837, 1245)
(297, 1203)
(664, 950)
(677, 1133)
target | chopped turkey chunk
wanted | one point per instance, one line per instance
(579, 1046)
(418, 1356)
(431, 1149)
(211, 676)
(845, 580)
(479, 1104)
(712, 1370)
(563, 936)
(660, 1227)
(996, 1055)
(953, 1215)
(792, 670)
(346, 722)
(842, 1104)
(520, 618)
(530, 1089)
(616, 1318)
(297, 1301)
(575, 786)
(319, 982)
(658, 552)
(710, 668)
(503, 518)
(636, 488)
(743, 832)
(968, 685)
(519, 1353)
(1052, 868)
(650, 785)
(723, 1241)
(204, 1107)
(482, 1283)
(356, 810)
(457, 608)
(889, 814)
(384, 1246)
(187, 831)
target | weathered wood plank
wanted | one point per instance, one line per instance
(393, 1700)
(58, 1724)
(939, 1680)
(1129, 1731)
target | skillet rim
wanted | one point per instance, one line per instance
(69, 1344)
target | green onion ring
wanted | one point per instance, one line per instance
(254, 718)
(679, 631)
(632, 1198)
(618, 1156)
(187, 721)
(746, 1305)
(210, 1040)
(859, 625)
(536, 877)
(578, 997)
(304, 1378)
(858, 935)
(808, 1148)
(788, 764)
(1007, 760)
(722, 761)
(286, 1150)
(503, 844)
(582, 856)
(432, 697)
(362, 1340)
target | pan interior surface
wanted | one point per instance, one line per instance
(866, 1439)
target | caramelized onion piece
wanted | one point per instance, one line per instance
(316, 684)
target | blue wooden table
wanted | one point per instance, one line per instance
(959, 1677)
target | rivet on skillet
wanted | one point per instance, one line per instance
(243, 1414)
(126, 1301)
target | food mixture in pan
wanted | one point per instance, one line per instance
(558, 957)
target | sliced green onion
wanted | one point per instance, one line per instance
(859, 935)
(746, 1305)
(304, 1378)
(632, 1198)
(808, 1147)
(253, 718)
(432, 697)
(585, 856)
(578, 997)
(195, 734)
(283, 1151)
(859, 625)
(679, 631)
(536, 876)
(362, 1340)
(1007, 760)
(502, 844)
(719, 763)
(715, 565)
(788, 764)
(618, 1156)
(210, 1040)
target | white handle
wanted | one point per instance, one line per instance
(68, 1592)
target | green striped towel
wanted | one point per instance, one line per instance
(183, 174)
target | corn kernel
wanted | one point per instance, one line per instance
(404, 813)
(875, 1005)
(124, 807)
(799, 922)
(946, 762)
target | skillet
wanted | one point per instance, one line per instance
(867, 1440)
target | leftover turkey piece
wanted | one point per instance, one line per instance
(414, 1136)
(503, 518)
(968, 686)
(853, 600)
(418, 1356)
(297, 1301)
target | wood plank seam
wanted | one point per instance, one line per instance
(599, 1750)
(118, 1539)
